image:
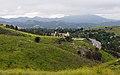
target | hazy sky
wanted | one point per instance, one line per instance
(59, 8)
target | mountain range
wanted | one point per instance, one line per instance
(64, 22)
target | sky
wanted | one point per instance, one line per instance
(59, 8)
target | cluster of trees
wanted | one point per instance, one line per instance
(110, 41)
(48, 32)
(12, 27)
(9, 32)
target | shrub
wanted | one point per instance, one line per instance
(97, 56)
(88, 54)
(78, 52)
(68, 39)
(61, 40)
(94, 55)
(37, 39)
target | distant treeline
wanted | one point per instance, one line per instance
(48, 32)
(11, 26)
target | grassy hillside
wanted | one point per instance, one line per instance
(22, 52)
(110, 68)
(115, 29)
(8, 31)
(19, 50)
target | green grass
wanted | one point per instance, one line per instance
(23, 52)
(115, 29)
(104, 69)
(83, 71)
(83, 43)
(21, 55)
(18, 51)
(105, 56)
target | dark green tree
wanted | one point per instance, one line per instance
(37, 39)
(16, 28)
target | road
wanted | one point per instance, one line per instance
(94, 42)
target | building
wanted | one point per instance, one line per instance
(56, 34)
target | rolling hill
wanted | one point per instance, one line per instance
(19, 50)
(114, 29)
(21, 55)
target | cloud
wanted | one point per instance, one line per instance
(54, 8)
(19, 7)
(57, 16)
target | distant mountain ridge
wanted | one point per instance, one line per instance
(65, 22)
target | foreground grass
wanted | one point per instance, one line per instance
(82, 71)
(109, 68)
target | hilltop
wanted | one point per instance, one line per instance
(114, 29)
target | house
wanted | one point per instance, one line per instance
(60, 34)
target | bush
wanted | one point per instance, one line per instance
(78, 52)
(68, 39)
(37, 39)
(89, 55)
(97, 56)
(94, 55)
(61, 40)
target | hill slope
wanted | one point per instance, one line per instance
(23, 52)
(114, 29)
(110, 68)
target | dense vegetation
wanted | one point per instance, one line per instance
(110, 41)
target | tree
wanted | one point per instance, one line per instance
(12, 27)
(7, 26)
(37, 39)
(16, 28)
